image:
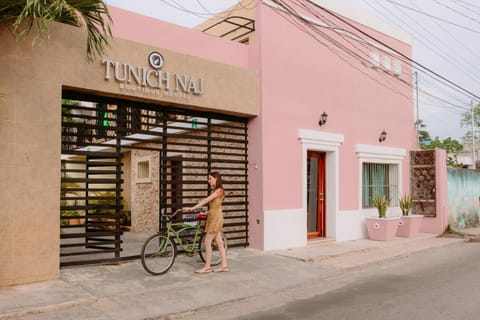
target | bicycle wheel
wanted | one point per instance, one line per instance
(158, 254)
(216, 259)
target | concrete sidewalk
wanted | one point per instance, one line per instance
(126, 291)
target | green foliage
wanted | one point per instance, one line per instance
(406, 204)
(69, 102)
(448, 144)
(28, 15)
(105, 198)
(451, 146)
(381, 203)
(423, 135)
(467, 123)
(67, 213)
(65, 186)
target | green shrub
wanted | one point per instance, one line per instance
(406, 204)
(381, 203)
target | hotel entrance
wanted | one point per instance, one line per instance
(124, 163)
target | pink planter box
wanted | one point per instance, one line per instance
(409, 225)
(382, 229)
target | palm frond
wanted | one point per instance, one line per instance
(92, 15)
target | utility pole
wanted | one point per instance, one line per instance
(473, 138)
(417, 124)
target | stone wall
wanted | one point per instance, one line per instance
(145, 199)
(145, 196)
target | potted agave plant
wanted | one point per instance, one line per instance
(409, 224)
(381, 227)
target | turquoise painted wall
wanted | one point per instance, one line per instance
(463, 187)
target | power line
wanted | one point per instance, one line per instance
(291, 11)
(466, 5)
(398, 52)
(467, 48)
(224, 13)
(456, 11)
(425, 92)
(447, 83)
(331, 26)
(358, 54)
(433, 17)
(439, 51)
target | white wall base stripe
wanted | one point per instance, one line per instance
(285, 229)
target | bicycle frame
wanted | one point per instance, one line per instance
(176, 230)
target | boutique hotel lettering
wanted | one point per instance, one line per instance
(152, 80)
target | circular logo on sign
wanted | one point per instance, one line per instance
(156, 60)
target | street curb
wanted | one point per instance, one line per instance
(374, 255)
(45, 309)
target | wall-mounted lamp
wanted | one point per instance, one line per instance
(382, 136)
(323, 119)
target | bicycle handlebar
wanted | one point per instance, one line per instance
(169, 217)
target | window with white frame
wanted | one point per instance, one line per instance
(380, 171)
(381, 179)
(143, 170)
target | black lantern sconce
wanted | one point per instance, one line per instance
(382, 136)
(323, 119)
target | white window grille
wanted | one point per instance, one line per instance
(143, 170)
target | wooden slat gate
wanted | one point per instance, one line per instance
(124, 163)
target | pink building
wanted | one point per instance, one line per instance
(314, 180)
(308, 112)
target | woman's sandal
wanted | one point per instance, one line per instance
(203, 271)
(224, 269)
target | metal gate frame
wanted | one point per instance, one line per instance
(97, 131)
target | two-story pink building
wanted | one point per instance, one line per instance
(306, 111)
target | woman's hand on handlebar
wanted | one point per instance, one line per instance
(188, 209)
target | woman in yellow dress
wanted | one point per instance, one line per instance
(214, 222)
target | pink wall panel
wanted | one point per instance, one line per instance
(143, 29)
(301, 79)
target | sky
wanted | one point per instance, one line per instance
(446, 40)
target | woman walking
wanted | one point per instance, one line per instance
(214, 223)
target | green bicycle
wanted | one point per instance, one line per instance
(160, 250)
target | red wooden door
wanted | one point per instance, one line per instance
(316, 194)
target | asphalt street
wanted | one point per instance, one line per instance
(439, 283)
